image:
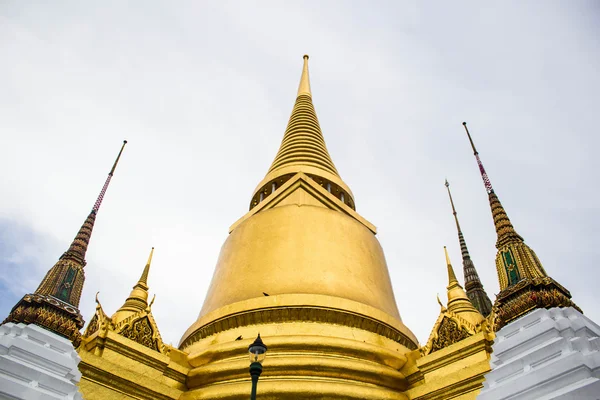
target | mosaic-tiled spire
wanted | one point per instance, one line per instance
(54, 304)
(79, 245)
(524, 284)
(473, 285)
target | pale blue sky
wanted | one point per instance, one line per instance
(203, 91)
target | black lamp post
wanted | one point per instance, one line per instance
(257, 351)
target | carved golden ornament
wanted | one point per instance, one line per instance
(450, 328)
(448, 333)
(139, 327)
(526, 296)
(141, 332)
(50, 313)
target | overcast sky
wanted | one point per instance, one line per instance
(203, 92)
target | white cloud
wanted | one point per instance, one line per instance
(203, 92)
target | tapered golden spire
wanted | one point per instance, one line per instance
(138, 298)
(458, 301)
(144, 278)
(54, 305)
(458, 321)
(303, 149)
(451, 276)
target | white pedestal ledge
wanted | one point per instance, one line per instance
(547, 354)
(36, 364)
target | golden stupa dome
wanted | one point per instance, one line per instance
(305, 270)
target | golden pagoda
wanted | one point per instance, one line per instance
(304, 269)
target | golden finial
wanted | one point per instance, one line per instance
(470, 140)
(304, 87)
(152, 302)
(144, 277)
(452, 203)
(112, 170)
(440, 302)
(98, 305)
(451, 276)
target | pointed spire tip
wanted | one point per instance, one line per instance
(304, 87)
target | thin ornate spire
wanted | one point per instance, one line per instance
(504, 229)
(54, 305)
(78, 247)
(524, 284)
(473, 285)
(303, 150)
(486, 180)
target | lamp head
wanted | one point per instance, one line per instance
(257, 350)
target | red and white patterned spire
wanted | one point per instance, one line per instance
(79, 245)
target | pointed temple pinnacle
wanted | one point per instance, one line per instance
(458, 301)
(138, 298)
(79, 245)
(524, 284)
(144, 278)
(484, 176)
(110, 174)
(452, 203)
(54, 304)
(473, 286)
(304, 87)
(303, 150)
(451, 276)
(504, 228)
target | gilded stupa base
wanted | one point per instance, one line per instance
(319, 347)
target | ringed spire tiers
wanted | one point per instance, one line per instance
(303, 150)
(524, 283)
(473, 284)
(54, 304)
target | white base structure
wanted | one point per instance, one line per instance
(37, 364)
(547, 354)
